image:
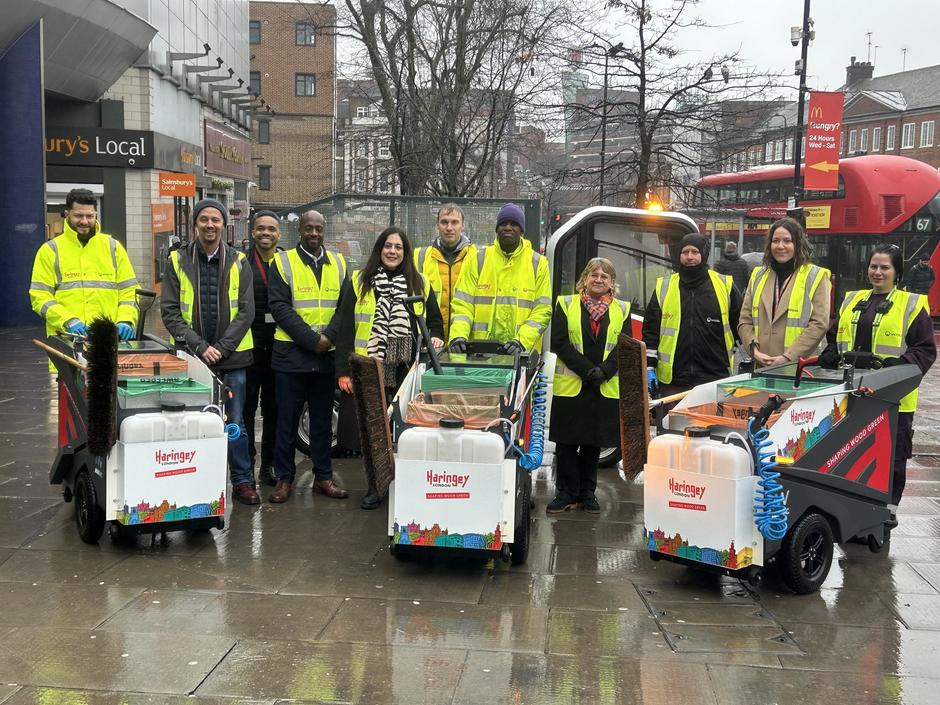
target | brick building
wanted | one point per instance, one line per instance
(293, 69)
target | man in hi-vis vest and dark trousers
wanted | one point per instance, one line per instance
(207, 306)
(690, 322)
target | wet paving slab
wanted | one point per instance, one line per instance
(303, 603)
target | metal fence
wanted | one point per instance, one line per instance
(354, 221)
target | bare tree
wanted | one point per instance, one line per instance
(454, 76)
(680, 111)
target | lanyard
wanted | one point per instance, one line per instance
(778, 291)
(262, 268)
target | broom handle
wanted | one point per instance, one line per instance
(61, 355)
(671, 398)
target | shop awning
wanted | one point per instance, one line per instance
(87, 44)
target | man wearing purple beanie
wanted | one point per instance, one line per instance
(505, 292)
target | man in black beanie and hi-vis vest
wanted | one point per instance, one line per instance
(207, 306)
(690, 322)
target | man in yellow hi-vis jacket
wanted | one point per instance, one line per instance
(504, 292)
(83, 274)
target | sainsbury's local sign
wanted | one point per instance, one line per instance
(97, 146)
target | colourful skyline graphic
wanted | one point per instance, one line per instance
(794, 448)
(145, 513)
(677, 546)
(414, 535)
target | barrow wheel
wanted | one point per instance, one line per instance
(519, 550)
(609, 457)
(89, 516)
(806, 554)
(303, 429)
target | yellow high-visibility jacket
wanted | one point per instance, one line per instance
(71, 281)
(442, 275)
(503, 297)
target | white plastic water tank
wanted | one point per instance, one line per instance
(450, 442)
(171, 424)
(696, 452)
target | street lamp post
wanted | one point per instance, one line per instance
(801, 103)
(608, 53)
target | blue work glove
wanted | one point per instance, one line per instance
(511, 347)
(125, 331)
(458, 345)
(891, 362)
(76, 327)
(652, 382)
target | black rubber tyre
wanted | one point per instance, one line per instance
(609, 458)
(89, 515)
(303, 437)
(655, 556)
(806, 554)
(519, 550)
(875, 547)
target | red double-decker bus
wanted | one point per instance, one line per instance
(880, 198)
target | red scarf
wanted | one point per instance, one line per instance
(596, 308)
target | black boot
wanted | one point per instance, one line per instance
(267, 476)
(372, 500)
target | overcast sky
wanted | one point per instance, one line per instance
(760, 29)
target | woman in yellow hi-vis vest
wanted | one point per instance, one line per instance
(895, 325)
(585, 406)
(785, 312)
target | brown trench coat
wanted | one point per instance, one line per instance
(771, 337)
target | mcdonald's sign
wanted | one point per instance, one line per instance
(823, 138)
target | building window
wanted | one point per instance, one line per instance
(863, 140)
(362, 150)
(802, 147)
(264, 178)
(254, 32)
(264, 132)
(305, 34)
(926, 134)
(853, 141)
(788, 150)
(374, 110)
(254, 82)
(305, 84)
(778, 151)
(362, 111)
(384, 151)
(907, 135)
(889, 137)
(876, 139)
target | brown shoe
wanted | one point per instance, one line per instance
(245, 493)
(330, 489)
(281, 492)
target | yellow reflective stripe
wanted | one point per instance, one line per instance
(362, 317)
(288, 272)
(88, 284)
(113, 244)
(314, 303)
(41, 286)
(361, 343)
(461, 319)
(481, 258)
(422, 257)
(55, 262)
(469, 298)
(535, 263)
(480, 327)
(126, 283)
(46, 306)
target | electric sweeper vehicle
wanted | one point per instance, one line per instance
(142, 440)
(770, 468)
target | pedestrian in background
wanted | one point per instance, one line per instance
(586, 389)
(732, 265)
(785, 313)
(921, 277)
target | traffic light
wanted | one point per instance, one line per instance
(556, 217)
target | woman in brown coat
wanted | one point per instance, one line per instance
(785, 311)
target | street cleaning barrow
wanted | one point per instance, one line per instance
(466, 431)
(770, 468)
(142, 439)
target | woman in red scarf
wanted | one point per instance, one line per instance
(585, 409)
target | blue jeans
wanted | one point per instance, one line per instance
(239, 461)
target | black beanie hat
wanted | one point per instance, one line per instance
(210, 203)
(698, 242)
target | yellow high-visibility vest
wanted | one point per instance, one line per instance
(889, 335)
(806, 280)
(314, 301)
(667, 293)
(567, 383)
(364, 312)
(188, 295)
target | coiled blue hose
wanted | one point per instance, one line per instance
(532, 459)
(233, 431)
(770, 510)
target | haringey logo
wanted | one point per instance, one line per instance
(801, 417)
(681, 488)
(174, 457)
(445, 479)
